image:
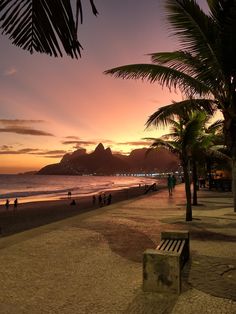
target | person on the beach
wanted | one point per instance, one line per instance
(73, 202)
(15, 203)
(7, 204)
(94, 199)
(104, 199)
(109, 199)
(69, 195)
(100, 200)
(170, 184)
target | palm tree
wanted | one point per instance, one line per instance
(208, 145)
(43, 25)
(184, 134)
(214, 151)
(205, 67)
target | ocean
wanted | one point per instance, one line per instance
(28, 188)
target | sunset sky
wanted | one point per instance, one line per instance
(50, 106)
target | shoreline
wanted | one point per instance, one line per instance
(36, 196)
(37, 213)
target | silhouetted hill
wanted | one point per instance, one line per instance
(102, 162)
(161, 160)
(74, 155)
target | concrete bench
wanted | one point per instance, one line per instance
(162, 266)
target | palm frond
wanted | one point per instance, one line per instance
(179, 60)
(165, 76)
(196, 30)
(192, 65)
(192, 129)
(185, 108)
(169, 145)
(216, 126)
(43, 25)
(224, 15)
(214, 152)
(168, 136)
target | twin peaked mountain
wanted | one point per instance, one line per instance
(103, 162)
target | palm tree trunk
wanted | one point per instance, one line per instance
(187, 191)
(230, 136)
(234, 181)
(195, 182)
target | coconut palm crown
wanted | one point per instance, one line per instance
(43, 26)
(204, 69)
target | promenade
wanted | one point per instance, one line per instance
(92, 263)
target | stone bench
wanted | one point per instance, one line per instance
(162, 266)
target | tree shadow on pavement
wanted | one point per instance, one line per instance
(212, 275)
(200, 230)
(204, 234)
(127, 242)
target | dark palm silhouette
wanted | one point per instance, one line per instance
(205, 67)
(185, 131)
(43, 26)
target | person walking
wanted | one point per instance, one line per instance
(104, 199)
(15, 203)
(170, 184)
(7, 204)
(100, 200)
(109, 199)
(94, 200)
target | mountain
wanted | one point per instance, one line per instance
(160, 160)
(102, 162)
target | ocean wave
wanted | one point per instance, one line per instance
(17, 194)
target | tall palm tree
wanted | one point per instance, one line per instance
(206, 142)
(184, 134)
(43, 25)
(204, 68)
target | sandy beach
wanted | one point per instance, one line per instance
(92, 262)
(33, 214)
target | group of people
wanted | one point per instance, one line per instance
(171, 183)
(102, 199)
(15, 204)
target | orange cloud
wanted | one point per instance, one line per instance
(33, 151)
(135, 143)
(6, 151)
(20, 127)
(79, 142)
(25, 131)
(19, 121)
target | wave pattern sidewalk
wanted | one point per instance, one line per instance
(92, 262)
